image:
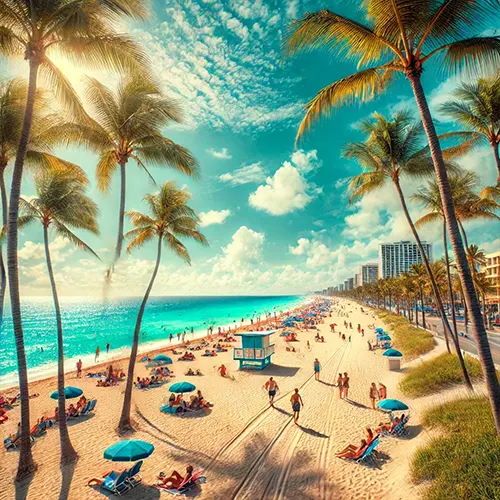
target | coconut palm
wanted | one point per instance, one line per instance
(170, 219)
(392, 151)
(420, 276)
(398, 38)
(476, 106)
(60, 206)
(128, 127)
(85, 32)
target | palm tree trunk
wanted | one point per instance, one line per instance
(125, 422)
(68, 453)
(121, 215)
(478, 330)
(3, 273)
(423, 307)
(26, 464)
(425, 261)
(497, 160)
(416, 310)
(448, 276)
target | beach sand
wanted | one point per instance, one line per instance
(246, 449)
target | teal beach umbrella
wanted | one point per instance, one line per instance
(69, 393)
(385, 337)
(392, 353)
(181, 387)
(392, 405)
(128, 451)
(163, 358)
(379, 330)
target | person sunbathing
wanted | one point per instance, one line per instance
(353, 452)
(190, 372)
(223, 371)
(175, 479)
(198, 373)
(202, 401)
(72, 411)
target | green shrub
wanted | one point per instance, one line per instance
(465, 462)
(436, 374)
(411, 341)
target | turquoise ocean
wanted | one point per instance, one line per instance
(91, 322)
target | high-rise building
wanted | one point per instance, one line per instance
(369, 273)
(341, 287)
(492, 272)
(357, 280)
(350, 283)
(396, 258)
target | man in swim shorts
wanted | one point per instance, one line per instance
(271, 387)
(297, 403)
(317, 368)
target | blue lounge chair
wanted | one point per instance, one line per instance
(89, 407)
(117, 483)
(170, 409)
(367, 454)
(134, 478)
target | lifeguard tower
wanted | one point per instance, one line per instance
(255, 351)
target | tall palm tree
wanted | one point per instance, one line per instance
(420, 276)
(393, 150)
(84, 31)
(169, 219)
(128, 126)
(402, 36)
(62, 206)
(476, 106)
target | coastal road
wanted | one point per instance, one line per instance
(467, 344)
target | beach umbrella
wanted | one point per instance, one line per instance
(69, 393)
(392, 353)
(181, 387)
(128, 451)
(163, 358)
(392, 405)
(379, 330)
(385, 337)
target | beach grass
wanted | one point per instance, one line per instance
(437, 373)
(464, 463)
(411, 341)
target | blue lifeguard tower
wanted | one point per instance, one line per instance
(255, 351)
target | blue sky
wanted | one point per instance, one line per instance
(276, 217)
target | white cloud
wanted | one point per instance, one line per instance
(301, 248)
(288, 189)
(318, 254)
(244, 250)
(223, 154)
(213, 217)
(247, 174)
(36, 251)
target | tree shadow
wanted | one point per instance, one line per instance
(67, 472)
(22, 487)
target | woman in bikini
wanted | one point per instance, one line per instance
(340, 385)
(351, 451)
(345, 385)
(373, 394)
(175, 479)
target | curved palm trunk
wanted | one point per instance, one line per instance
(121, 214)
(448, 277)
(425, 261)
(423, 307)
(497, 160)
(68, 453)
(125, 422)
(478, 330)
(3, 273)
(26, 464)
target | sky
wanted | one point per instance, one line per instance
(276, 216)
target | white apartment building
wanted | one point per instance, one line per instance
(396, 258)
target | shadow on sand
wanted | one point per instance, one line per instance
(23, 487)
(357, 405)
(312, 432)
(67, 472)
(277, 371)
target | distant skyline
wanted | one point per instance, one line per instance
(277, 218)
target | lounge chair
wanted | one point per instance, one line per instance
(115, 482)
(89, 407)
(367, 454)
(170, 409)
(134, 478)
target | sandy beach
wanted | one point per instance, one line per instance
(245, 448)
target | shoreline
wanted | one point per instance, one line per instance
(122, 354)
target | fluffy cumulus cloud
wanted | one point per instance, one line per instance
(244, 250)
(245, 175)
(225, 77)
(223, 154)
(213, 217)
(59, 250)
(288, 189)
(317, 253)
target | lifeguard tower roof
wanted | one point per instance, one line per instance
(255, 334)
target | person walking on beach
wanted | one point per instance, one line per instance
(79, 369)
(317, 368)
(107, 348)
(349, 338)
(178, 337)
(97, 352)
(171, 337)
(345, 385)
(308, 346)
(271, 387)
(297, 404)
(373, 394)
(339, 385)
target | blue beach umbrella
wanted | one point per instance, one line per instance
(392, 405)
(181, 387)
(392, 353)
(163, 358)
(69, 393)
(379, 330)
(385, 337)
(128, 451)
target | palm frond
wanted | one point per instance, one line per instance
(65, 232)
(105, 169)
(140, 237)
(177, 247)
(428, 219)
(365, 183)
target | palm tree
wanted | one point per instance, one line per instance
(402, 37)
(169, 219)
(476, 106)
(85, 32)
(391, 151)
(420, 276)
(60, 204)
(128, 126)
